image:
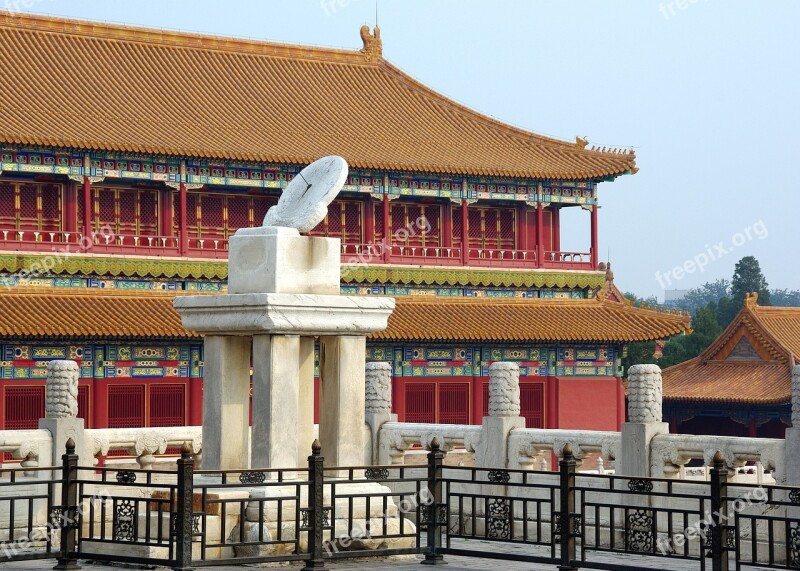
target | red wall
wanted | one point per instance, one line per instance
(591, 403)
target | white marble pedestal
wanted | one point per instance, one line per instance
(278, 329)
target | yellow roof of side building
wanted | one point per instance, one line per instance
(750, 362)
(28, 312)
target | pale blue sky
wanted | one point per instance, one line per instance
(706, 91)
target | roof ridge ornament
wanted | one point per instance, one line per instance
(751, 300)
(373, 46)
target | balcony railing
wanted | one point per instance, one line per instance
(217, 248)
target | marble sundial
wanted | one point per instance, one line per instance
(304, 202)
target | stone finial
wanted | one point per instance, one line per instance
(62, 389)
(379, 388)
(796, 396)
(503, 389)
(644, 394)
(373, 45)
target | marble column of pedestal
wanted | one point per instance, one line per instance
(276, 373)
(226, 394)
(342, 398)
(305, 422)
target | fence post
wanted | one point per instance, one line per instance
(69, 509)
(184, 516)
(435, 462)
(567, 497)
(316, 509)
(719, 514)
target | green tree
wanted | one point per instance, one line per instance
(639, 353)
(703, 295)
(784, 298)
(706, 329)
(747, 278)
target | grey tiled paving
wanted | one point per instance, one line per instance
(407, 563)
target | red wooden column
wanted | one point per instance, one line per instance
(183, 229)
(87, 207)
(183, 239)
(446, 230)
(539, 234)
(71, 207)
(464, 232)
(165, 212)
(387, 229)
(369, 222)
(594, 252)
(556, 224)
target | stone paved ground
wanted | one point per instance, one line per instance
(408, 563)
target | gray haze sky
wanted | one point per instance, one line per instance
(706, 91)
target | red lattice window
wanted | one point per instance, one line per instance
(51, 208)
(238, 213)
(458, 227)
(148, 214)
(378, 217)
(128, 212)
(454, 403)
(192, 205)
(167, 405)
(507, 227)
(351, 212)
(30, 206)
(261, 204)
(532, 404)
(485, 399)
(7, 209)
(24, 407)
(212, 220)
(416, 224)
(492, 228)
(125, 406)
(420, 402)
(29, 203)
(343, 221)
(220, 216)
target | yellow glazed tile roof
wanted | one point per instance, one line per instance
(775, 334)
(457, 319)
(93, 86)
(92, 313)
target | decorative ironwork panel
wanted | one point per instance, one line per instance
(498, 518)
(576, 527)
(640, 486)
(639, 531)
(252, 477)
(126, 477)
(429, 512)
(793, 546)
(794, 496)
(124, 520)
(730, 538)
(498, 476)
(376, 473)
(305, 518)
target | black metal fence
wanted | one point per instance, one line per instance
(191, 518)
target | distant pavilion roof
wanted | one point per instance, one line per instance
(30, 312)
(92, 86)
(751, 362)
